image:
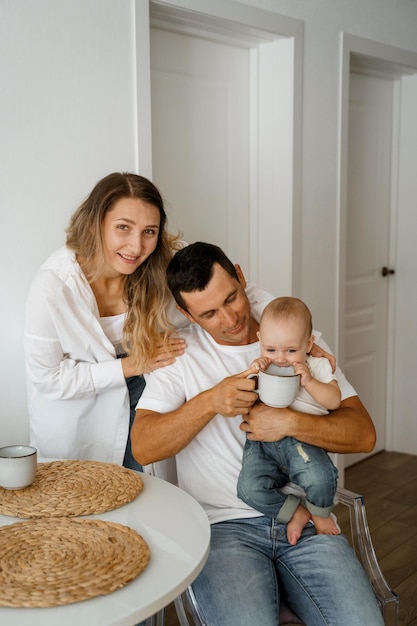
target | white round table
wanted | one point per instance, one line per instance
(177, 531)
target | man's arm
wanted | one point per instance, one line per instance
(346, 429)
(157, 436)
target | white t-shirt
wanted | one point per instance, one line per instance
(320, 369)
(113, 329)
(208, 468)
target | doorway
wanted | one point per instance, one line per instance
(200, 138)
(226, 132)
(371, 105)
(369, 184)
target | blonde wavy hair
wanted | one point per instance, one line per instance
(145, 291)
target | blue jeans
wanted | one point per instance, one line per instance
(251, 567)
(135, 385)
(268, 466)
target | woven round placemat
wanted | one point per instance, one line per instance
(50, 561)
(69, 488)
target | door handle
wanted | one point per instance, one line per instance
(386, 270)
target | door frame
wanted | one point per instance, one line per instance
(275, 45)
(378, 59)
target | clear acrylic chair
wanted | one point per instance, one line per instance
(187, 608)
(362, 545)
(156, 620)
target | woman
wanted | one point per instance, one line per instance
(96, 320)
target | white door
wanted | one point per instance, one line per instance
(368, 216)
(200, 138)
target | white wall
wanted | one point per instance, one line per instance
(68, 118)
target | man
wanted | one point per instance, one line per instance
(200, 410)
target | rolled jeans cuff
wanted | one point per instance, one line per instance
(320, 511)
(288, 509)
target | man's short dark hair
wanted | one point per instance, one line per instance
(191, 269)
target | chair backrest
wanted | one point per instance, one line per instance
(167, 470)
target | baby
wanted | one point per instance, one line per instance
(285, 334)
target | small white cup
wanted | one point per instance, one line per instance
(277, 386)
(17, 466)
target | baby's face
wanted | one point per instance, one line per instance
(284, 341)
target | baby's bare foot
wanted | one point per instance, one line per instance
(325, 525)
(296, 524)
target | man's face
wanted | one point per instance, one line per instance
(222, 309)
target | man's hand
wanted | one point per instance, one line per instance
(264, 423)
(234, 395)
(346, 429)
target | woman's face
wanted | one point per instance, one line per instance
(129, 233)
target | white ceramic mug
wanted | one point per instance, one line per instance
(17, 466)
(277, 386)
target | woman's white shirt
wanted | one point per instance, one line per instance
(77, 395)
(78, 400)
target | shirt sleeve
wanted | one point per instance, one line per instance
(346, 389)
(321, 369)
(164, 390)
(67, 354)
(258, 299)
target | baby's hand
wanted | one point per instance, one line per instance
(261, 363)
(304, 371)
